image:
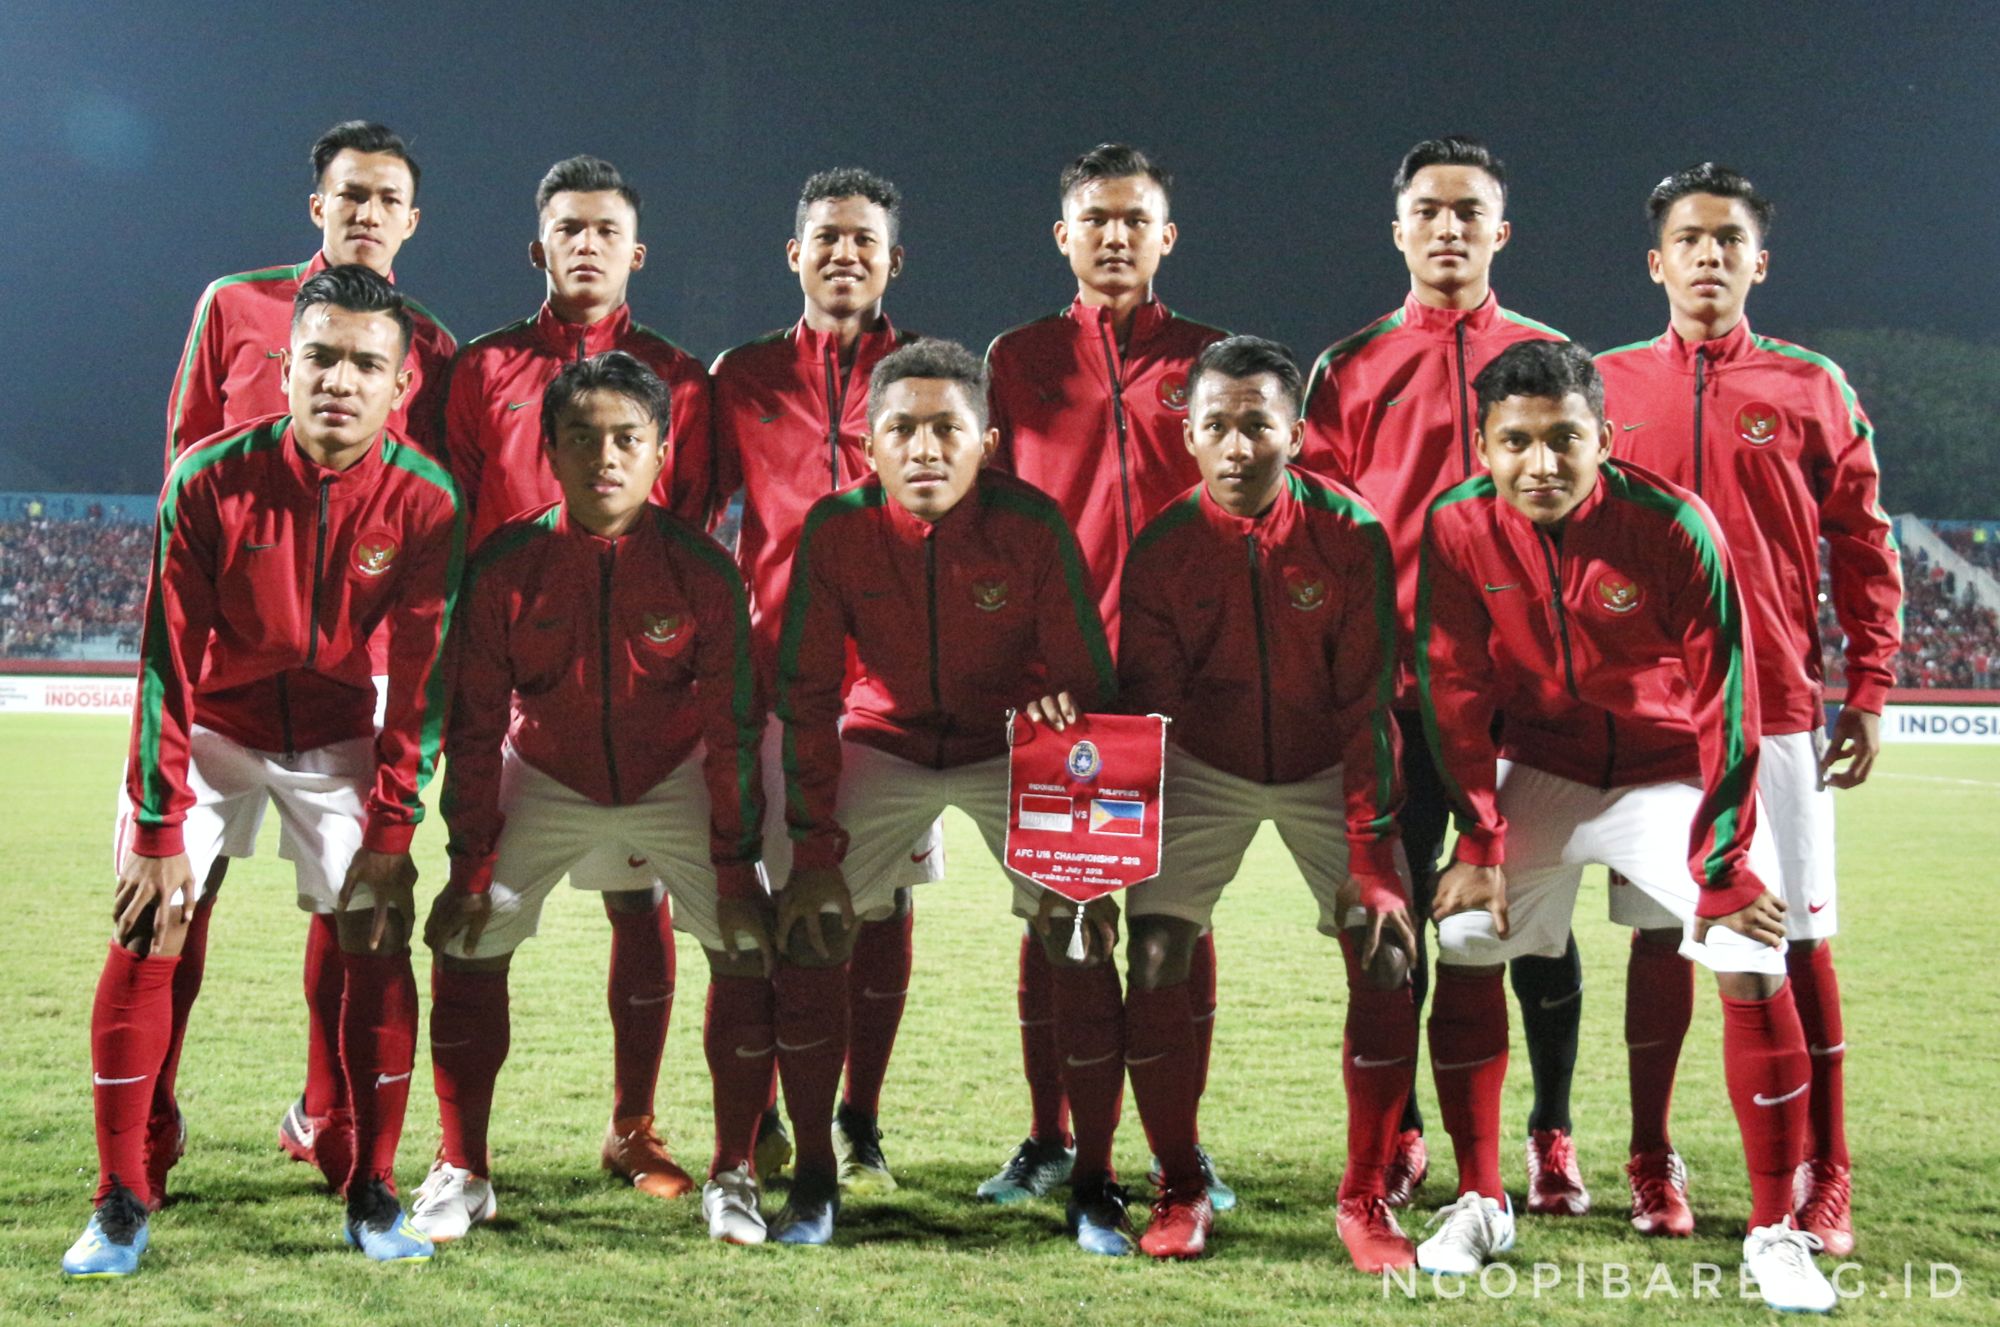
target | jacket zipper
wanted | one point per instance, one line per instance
(836, 405)
(285, 713)
(1562, 616)
(1610, 747)
(605, 562)
(1699, 360)
(581, 344)
(319, 572)
(1464, 415)
(1113, 371)
(1263, 651)
(930, 595)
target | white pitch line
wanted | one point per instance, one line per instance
(1938, 778)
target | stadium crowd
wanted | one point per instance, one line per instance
(64, 582)
(1949, 639)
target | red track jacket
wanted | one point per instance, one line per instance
(953, 624)
(616, 658)
(1097, 430)
(790, 426)
(1390, 413)
(1615, 655)
(1271, 643)
(269, 575)
(229, 368)
(1770, 435)
(493, 414)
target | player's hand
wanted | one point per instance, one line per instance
(1468, 888)
(455, 911)
(1763, 921)
(805, 898)
(148, 885)
(1857, 740)
(1057, 711)
(392, 878)
(748, 919)
(1401, 935)
(1100, 923)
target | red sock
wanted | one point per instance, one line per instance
(640, 996)
(1659, 1005)
(812, 1047)
(1041, 1062)
(1816, 992)
(187, 985)
(1469, 1060)
(1162, 1054)
(1201, 1004)
(1090, 1034)
(1378, 1065)
(325, 977)
(129, 1026)
(737, 1037)
(1765, 1063)
(378, 1044)
(878, 986)
(470, 1032)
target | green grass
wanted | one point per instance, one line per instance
(251, 1238)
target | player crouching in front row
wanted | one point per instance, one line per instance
(1592, 608)
(605, 697)
(963, 595)
(1259, 614)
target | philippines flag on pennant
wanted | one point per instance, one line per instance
(1109, 816)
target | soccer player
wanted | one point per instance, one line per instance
(282, 546)
(605, 696)
(1259, 615)
(1591, 612)
(1090, 405)
(588, 247)
(1389, 414)
(961, 595)
(1770, 435)
(791, 426)
(364, 203)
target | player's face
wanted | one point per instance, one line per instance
(845, 259)
(589, 246)
(1708, 258)
(365, 208)
(926, 445)
(1544, 453)
(607, 456)
(1449, 226)
(1242, 432)
(1114, 233)
(343, 374)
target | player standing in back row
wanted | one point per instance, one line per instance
(1770, 435)
(1091, 405)
(1389, 413)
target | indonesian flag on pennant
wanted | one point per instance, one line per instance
(1083, 804)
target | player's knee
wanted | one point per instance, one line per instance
(453, 963)
(633, 900)
(1160, 950)
(900, 905)
(357, 926)
(745, 964)
(1055, 945)
(796, 947)
(1666, 937)
(216, 871)
(1803, 946)
(1749, 985)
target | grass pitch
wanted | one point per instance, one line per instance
(252, 1238)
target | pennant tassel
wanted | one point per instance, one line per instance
(1077, 949)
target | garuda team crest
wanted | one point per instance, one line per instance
(989, 594)
(374, 553)
(667, 630)
(1305, 589)
(1757, 424)
(1084, 762)
(1174, 391)
(1617, 595)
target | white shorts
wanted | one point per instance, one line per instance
(1556, 827)
(321, 796)
(886, 804)
(924, 863)
(552, 831)
(1210, 818)
(1795, 813)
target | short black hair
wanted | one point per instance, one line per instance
(1552, 369)
(1708, 178)
(1450, 150)
(363, 136)
(611, 371)
(584, 175)
(849, 182)
(930, 358)
(357, 289)
(1248, 357)
(1115, 161)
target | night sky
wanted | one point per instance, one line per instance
(148, 150)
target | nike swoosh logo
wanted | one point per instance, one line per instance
(767, 419)
(919, 858)
(1396, 401)
(274, 354)
(1131, 1063)
(1815, 907)
(1363, 1062)
(1648, 1045)
(1495, 589)
(519, 405)
(1824, 1051)
(873, 594)
(1547, 1003)
(635, 862)
(1075, 1063)
(1763, 1100)
(383, 1080)
(1468, 1064)
(641, 1001)
(257, 548)
(102, 1081)
(784, 1045)
(742, 1054)
(450, 1045)
(1627, 428)
(870, 993)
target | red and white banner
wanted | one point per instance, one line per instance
(1083, 804)
(36, 694)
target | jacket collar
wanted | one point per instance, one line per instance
(308, 270)
(343, 485)
(1732, 345)
(576, 536)
(815, 346)
(1421, 317)
(581, 341)
(1582, 516)
(1092, 319)
(1270, 524)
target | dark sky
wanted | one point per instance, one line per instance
(147, 150)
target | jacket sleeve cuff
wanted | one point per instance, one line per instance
(157, 840)
(1868, 694)
(387, 835)
(1372, 868)
(473, 875)
(1481, 845)
(737, 880)
(817, 852)
(1742, 890)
